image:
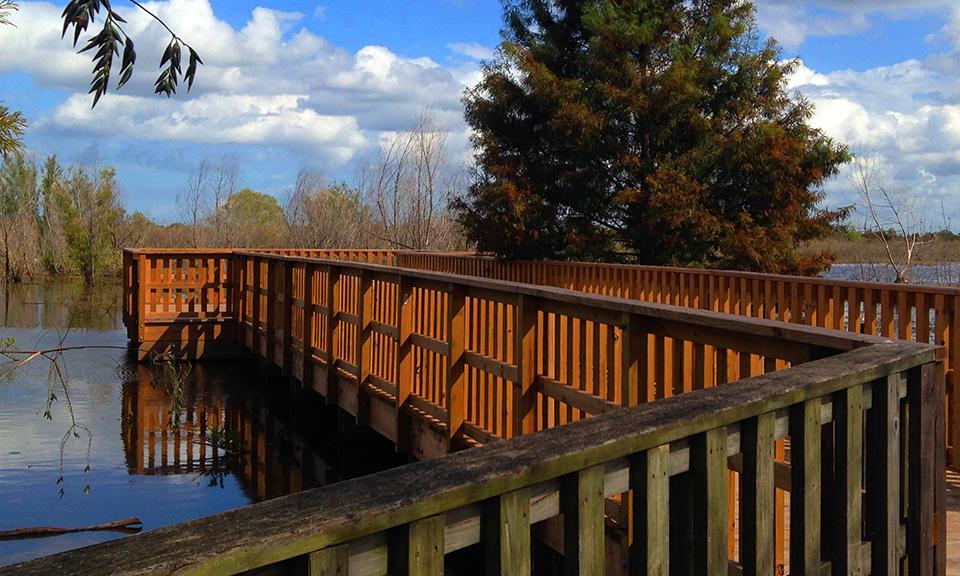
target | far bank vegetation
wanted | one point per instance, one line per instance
(70, 221)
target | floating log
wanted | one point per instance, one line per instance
(128, 525)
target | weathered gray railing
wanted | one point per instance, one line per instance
(866, 437)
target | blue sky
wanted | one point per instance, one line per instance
(322, 85)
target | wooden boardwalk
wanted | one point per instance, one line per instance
(438, 362)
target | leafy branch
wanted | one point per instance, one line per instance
(80, 14)
(6, 7)
(12, 126)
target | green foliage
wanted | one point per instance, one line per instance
(256, 219)
(82, 212)
(12, 126)
(106, 45)
(19, 205)
(645, 129)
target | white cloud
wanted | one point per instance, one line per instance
(791, 22)
(268, 82)
(906, 117)
(472, 50)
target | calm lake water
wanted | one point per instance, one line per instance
(142, 449)
(943, 274)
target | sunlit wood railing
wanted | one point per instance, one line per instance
(437, 362)
(927, 314)
(869, 500)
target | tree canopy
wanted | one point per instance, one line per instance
(656, 130)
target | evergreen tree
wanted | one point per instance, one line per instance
(655, 130)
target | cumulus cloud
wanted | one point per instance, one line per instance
(270, 82)
(792, 22)
(905, 117)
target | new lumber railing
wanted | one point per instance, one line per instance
(865, 502)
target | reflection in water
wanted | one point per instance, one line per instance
(238, 438)
(217, 435)
(61, 305)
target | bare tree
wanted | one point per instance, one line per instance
(320, 215)
(409, 185)
(223, 182)
(192, 202)
(892, 216)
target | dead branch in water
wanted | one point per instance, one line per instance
(128, 525)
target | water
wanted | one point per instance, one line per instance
(234, 443)
(941, 274)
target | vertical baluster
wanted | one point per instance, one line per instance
(926, 517)
(404, 358)
(526, 351)
(332, 561)
(708, 473)
(650, 482)
(847, 547)
(583, 521)
(308, 302)
(331, 288)
(884, 465)
(287, 335)
(506, 534)
(456, 393)
(805, 466)
(418, 547)
(757, 497)
(364, 344)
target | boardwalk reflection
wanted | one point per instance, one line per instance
(230, 429)
(258, 449)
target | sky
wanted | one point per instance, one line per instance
(296, 84)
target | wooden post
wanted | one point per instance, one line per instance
(847, 546)
(257, 292)
(306, 374)
(633, 366)
(239, 268)
(418, 547)
(333, 561)
(708, 474)
(287, 317)
(757, 554)
(884, 465)
(805, 483)
(364, 345)
(333, 280)
(926, 517)
(506, 534)
(142, 305)
(583, 522)
(271, 298)
(525, 354)
(456, 394)
(650, 482)
(404, 359)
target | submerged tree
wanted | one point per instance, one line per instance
(657, 130)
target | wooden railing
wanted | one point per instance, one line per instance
(868, 500)
(437, 362)
(927, 314)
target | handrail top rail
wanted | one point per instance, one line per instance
(263, 533)
(922, 289)
(761, 327)
(945, 290)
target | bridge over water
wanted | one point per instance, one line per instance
(639, 420)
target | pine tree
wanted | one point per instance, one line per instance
(660, 131)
